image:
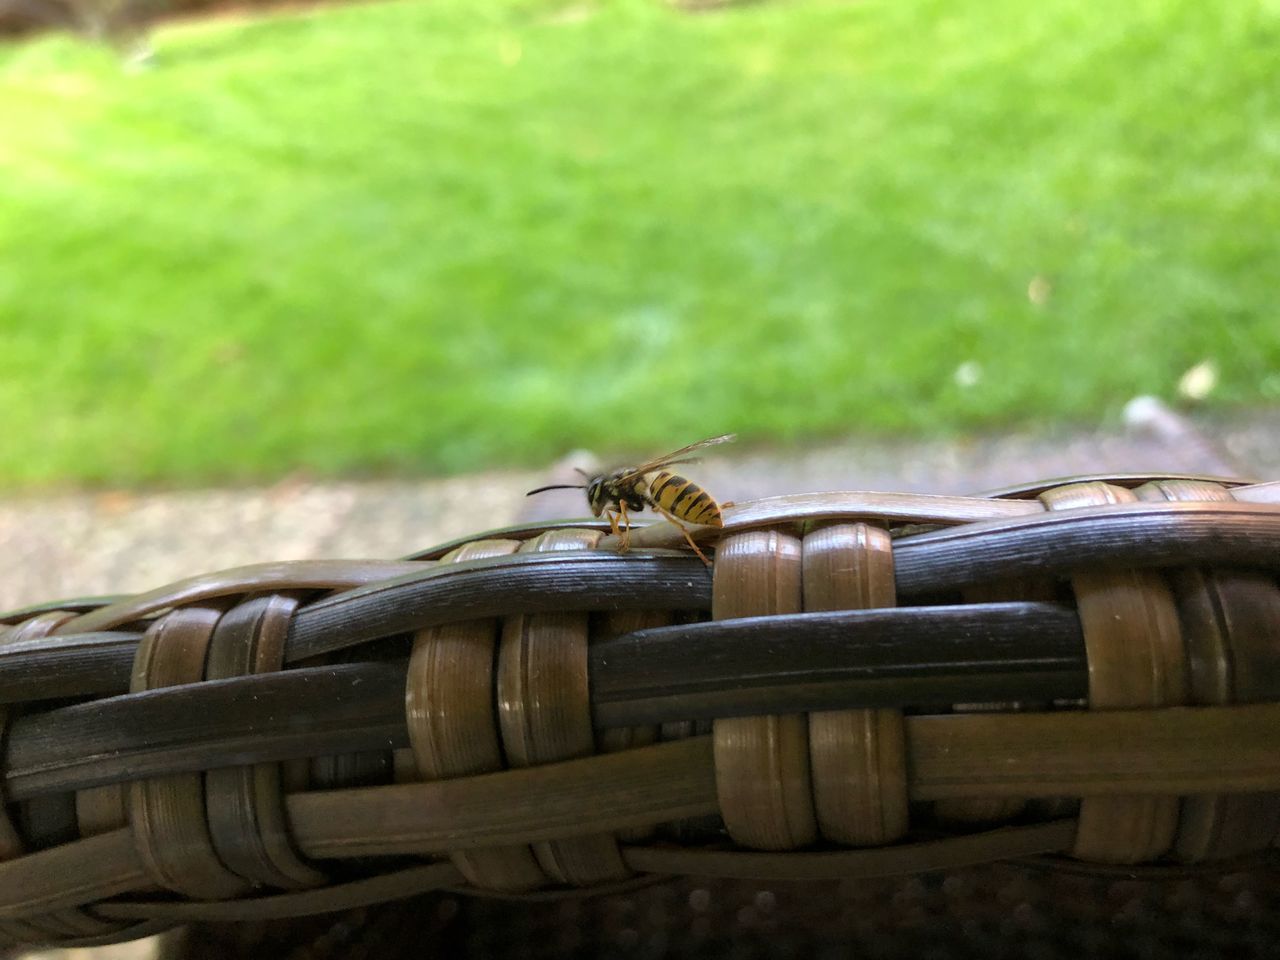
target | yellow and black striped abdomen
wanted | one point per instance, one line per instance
(683, 498)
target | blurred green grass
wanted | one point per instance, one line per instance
(429, 237)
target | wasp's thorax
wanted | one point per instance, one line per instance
(614, 489)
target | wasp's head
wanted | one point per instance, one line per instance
(597, 496)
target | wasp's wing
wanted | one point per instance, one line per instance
(675, 456)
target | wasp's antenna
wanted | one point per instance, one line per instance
(582, 472)
(558, 486)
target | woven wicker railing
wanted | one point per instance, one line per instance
(862, 685)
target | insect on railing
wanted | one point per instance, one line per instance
(856, 685)
(650, 484)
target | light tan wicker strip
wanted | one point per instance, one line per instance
(453, 726)
(762, 763)
(1231, 624)
(544, 711)
(569, 799)
(167, 814)
(255, 578)
(896, 860)
(1110, 754)
(858, 757)
(1136, 659)
(245, 804)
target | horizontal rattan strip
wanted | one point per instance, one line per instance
(803, 507)
(427, 595)
(79, 665)
(1028, 491)
(668, 781)
(901, 507)
(949, 853)
(520, 583)
(1177, 750)
(297, 713)
(907, 656)
(1155, 751)
(521, 531)
(1139, 752)
(74, 604)
(1258, 493)
(910, 508)
(396, 885)
(900, 657)
(900, 859)
(1164, 533)
(1123, 535)
(100, 664)
(71, 874)
(255, 578)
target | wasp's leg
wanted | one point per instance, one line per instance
(683, 529)
(624, 534)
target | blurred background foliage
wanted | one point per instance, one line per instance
(435, 236)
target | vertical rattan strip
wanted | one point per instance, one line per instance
(1231, 624)
(246, 804)
(453, 722)
(168, 813)
(858, 757)
(1231, 619)
(544, 711)
(1136, 659)
(762, 763)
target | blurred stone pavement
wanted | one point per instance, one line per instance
(88, 544)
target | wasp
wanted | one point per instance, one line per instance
(651, 484)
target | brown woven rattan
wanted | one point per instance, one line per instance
(1077, 682)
